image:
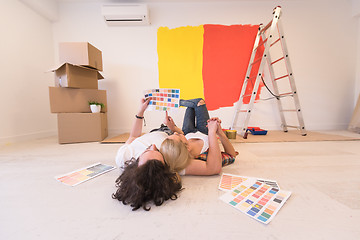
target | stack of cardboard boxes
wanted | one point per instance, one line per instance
(76, 83)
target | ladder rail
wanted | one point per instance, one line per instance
(239, 103)
(291, 79)
(261, 68)
(276, 92)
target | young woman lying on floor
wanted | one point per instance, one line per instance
(145, 176)
(152, 175)
(195, 150)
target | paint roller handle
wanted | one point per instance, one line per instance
(254, 128)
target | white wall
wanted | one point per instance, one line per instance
(46, 8)
(356, 14)
(26, 46)
(320, 36)
(357, 81)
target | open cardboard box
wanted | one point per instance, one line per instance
(82, 127)
(73, 100)
(80, 53)
(73, 76)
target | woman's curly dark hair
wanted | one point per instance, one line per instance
(152, 181)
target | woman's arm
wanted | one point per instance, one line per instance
(137, 126)
(228, 147)
(171, 124)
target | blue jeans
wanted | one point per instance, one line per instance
(196, 117)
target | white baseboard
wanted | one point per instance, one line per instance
(309, 127)
(117, 131)
(326, 127)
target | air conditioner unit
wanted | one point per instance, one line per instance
(126, 14)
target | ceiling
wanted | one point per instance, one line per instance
(49, 8)
(153, 1)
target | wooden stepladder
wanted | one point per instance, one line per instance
(268, 37)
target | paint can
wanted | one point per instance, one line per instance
(231, 134)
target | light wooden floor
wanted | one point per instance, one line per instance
(324, 178)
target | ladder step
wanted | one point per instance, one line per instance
(287, 94)
(263, 42)
(253, 77)
(274, 42)
(277, 60)
(266, 27)
(256, 60)
(291, 126)
(281, 77)
(289, 110)
(245, 95)
(242, 110)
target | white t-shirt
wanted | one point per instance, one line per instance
(197, 135)
(138, 146)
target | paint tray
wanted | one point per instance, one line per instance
(257, 131)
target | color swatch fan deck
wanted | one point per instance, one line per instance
(230, 181)
(255, 198)
(163, 99)
(84, 174)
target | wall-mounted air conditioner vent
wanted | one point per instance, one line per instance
(126, 14)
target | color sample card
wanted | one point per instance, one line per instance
(230, 181)
(256, 199)
(271, 183)
(84, 174)
(163, 99)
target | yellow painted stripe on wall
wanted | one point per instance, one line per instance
(180, 54)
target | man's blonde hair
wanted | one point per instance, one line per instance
(176, 154)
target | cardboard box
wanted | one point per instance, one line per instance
(73, 76)
(73, 100)
(82, 127)
(80, 53)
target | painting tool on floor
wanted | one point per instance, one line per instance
(255, 131)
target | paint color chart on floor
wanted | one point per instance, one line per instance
(163, 99)
(84, 174)
(256, 199)
(230, 181)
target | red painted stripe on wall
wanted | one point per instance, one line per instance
(226, 54)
